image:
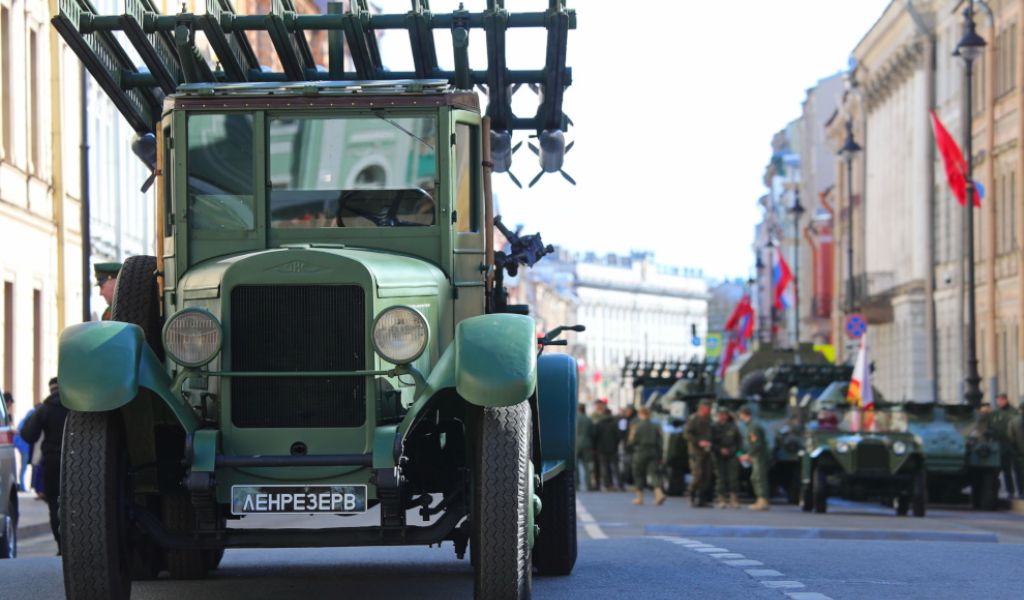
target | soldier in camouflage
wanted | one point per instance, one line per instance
(698, 438)
(1015, 437)
(725, 443)
(757, 458)
(644, 444)
(999, 422)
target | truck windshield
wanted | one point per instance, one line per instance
(368, 171)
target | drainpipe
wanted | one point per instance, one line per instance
(86, 240)
(57, 166)
(931, 327)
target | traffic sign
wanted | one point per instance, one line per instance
(856, 326)
(696, 341)
(713, 345)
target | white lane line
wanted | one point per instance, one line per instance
(808, 596)
(727, 555)
(743, 563)
(589, 524)
(763, 573)
(777, 584)
(710, 549)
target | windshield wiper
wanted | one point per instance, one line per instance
(381, 116)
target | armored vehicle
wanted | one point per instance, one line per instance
(324, 328)
(958, 455)
(862, 455)
(779, 394)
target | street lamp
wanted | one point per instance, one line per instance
(969, 49)
(759, 266)
(849, 150)
(797, 210)
(770, 246)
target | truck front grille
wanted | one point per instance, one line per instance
(298, 328)
(872, 457)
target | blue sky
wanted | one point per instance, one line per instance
(675, 104)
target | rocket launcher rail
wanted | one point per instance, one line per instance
(166, 46)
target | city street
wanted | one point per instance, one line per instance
(857, 550)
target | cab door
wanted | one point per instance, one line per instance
(468, 238)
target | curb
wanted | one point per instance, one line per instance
(26, 532)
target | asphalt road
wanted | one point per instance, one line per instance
(672, 551)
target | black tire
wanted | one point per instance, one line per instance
(93, 507)
(213, 558)
(147, 556)
(137, 299)
(984, 492)
(180, 516)
(674, 482)
(500, 545)
(9, 528)
(902, 505)
(793, 487)
(806, 497)
(820, 490)
(753, 384)
(554, 551)
(919, 494)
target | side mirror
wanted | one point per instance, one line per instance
(144, 146)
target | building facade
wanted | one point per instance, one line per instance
(40, 193)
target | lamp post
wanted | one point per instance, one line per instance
(797, 210)
(849, 150)
(770, 247)
(759, 266)
(969, 49)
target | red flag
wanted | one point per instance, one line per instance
(743, 310)
(731, 349)
(783, 276)
(953, 160)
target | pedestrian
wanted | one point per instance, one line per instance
(644, 445)
(725, 443)
(698, 440)
(584, 448)
(48, 422)
(757, 457)
(606, 447)
(1000, 424)
(106, 280)
(626, 420)
(23, 447)
(1015, 437)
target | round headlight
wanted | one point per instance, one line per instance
(899, 447)
(400, 335)
(192, 337)
(842, 447)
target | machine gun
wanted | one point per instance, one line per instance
(524, 250)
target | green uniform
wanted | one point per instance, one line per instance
(1015, 440)
(644, 442)
(725, 444)
(757, 450)
(698, 429)
(999, 422)
(606, 450)
(585, 450)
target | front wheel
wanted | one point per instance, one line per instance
(94, 508)
(500, 544)
(554, 552)
(984, 491)
(919, 495)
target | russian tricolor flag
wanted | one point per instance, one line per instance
(781, 276)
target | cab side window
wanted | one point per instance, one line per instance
(220, 172)
(467, 186)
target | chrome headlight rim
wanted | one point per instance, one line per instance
(899, 447)
(843, 447)
(423, 346)
(193, 310)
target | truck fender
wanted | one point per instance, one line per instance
(495, 361)
(102, 365)
(557, 391)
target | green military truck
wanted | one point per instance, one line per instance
(862, 455)
(959, 456)
(324, 327)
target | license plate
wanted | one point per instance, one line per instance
(305, 499)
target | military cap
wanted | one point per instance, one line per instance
(706, 402)
(105, 271)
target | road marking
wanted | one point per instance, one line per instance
(589, 524)
(777, 584)
(743, 563)
(763, 573)
(727, 555)
(808, 596)
(710, 549)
